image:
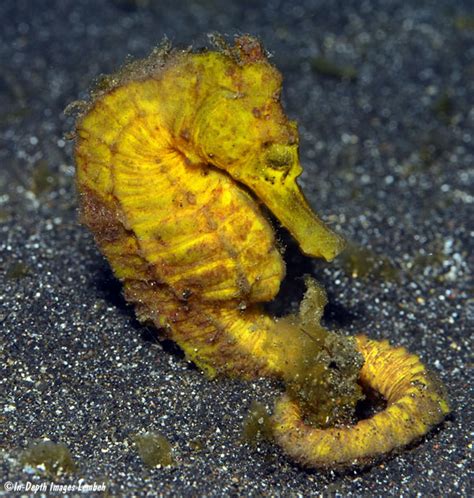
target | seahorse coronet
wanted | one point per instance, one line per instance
(175, 155)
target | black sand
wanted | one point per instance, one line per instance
(383, 92)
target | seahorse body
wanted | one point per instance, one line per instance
(189, 242)
(172, 161)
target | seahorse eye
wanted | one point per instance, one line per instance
(279, 157)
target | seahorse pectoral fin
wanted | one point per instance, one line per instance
(289, 205)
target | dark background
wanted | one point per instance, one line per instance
(383, 93)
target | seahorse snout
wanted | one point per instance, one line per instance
(286, 201)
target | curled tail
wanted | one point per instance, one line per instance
(416, 401)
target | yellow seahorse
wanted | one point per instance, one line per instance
(175, 157)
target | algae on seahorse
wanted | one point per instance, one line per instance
(174, 156)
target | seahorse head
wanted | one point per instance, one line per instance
(242, 129)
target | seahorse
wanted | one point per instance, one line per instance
(178, 157)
